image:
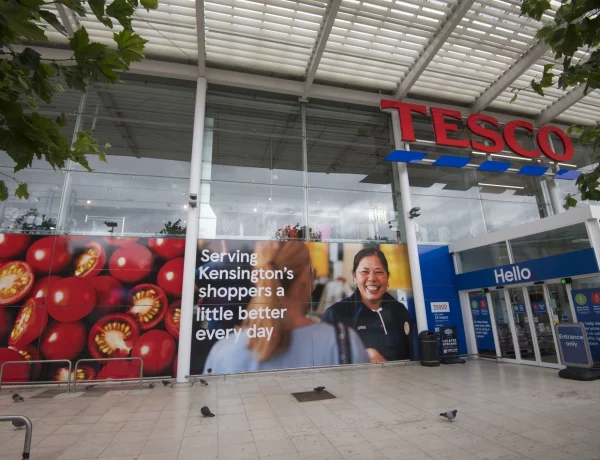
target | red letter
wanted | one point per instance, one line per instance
(511, 140)
(404, 112)
(480, 130)
(543, 142)
(440, 128)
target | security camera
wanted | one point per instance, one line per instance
(193, 200)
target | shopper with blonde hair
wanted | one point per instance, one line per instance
(294, 341)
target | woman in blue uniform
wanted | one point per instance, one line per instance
(382, 323)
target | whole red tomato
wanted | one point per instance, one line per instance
(170, 277)
(49, 255)
(30, 353)
(173, 318)
(131, 263)
(13, 372)
(70, 299)
(167, 248)
(40, 287)
(83, 373)
(13, 245)
(31, 321)
(148, 305)
(109, 293)
(91, 262)
(119, 240)
(63, 340)
(113, 336)
(16, 280)
(6, 322)
(120, 370)
(157, 349)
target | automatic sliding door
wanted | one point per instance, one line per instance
(521, 320)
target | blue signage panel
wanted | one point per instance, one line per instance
(573, 345)
(519, 308)
(482, 322)
(587, 308)
(570, 264)
(538, 307)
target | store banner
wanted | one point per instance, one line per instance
(587, 309)
(573, 345)
(76, 297)
(482, 322)
(449, 342)
(266, 305)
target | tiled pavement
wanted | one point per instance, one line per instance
(506, 412)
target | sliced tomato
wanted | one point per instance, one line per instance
(13, 244)
(119, 240)
(120, 370)
(148, 305)
(170, 277)
(113, 336)
(63, 340)
(16, 280)
(84, 372)
(31, 321)
(109, 293)
(6, 321)
(49, 255)
(131, 263)
(13, 372)
(30, 353)
(157, 349)
(167, 248)
(173, 318)
(91, 261)
(40, 287)
(70, 299)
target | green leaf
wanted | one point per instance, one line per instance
(75, 6)
(149, 4)
(537, 87)
(514, 98)
(570, 201)
(51, 19)
(97, 7)
(80, 39)
(18, 20)
(131, 46)
(535, 8)
(3, 191)
(21, 191)
(122, 11)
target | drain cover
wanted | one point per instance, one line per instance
(307, 396)
(48, 394)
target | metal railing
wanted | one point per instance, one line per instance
(28, 431)
(90, 360)
(41, 361)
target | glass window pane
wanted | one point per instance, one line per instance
(493, 255)
(553, 242)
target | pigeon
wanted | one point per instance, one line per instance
(203, 382)
(450, 415)
(209, 370)
(166, 383)
(151, 385)
(319, 389)
(18, 424)
(206, 412)
(89, 387)
(17, 397)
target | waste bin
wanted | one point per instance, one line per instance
(428, 349)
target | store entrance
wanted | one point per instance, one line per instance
(517, 323)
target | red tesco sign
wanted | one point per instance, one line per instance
(479, 124)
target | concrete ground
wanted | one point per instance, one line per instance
(506, 412)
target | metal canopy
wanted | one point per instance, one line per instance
(467, 53)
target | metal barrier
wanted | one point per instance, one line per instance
(41, 361)
(91, 360)
(28, 431)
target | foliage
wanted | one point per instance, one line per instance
(27, 80)
(173, 228)
(576, 26)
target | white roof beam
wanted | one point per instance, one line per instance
(519, 67)
(319, 48)
(201, 36)
(436, 43)
(560, 105)
(65, 17)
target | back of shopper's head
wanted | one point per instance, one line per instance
(285, 260)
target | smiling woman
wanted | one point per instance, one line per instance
(382, 323)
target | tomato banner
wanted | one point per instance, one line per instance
(74, 297)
